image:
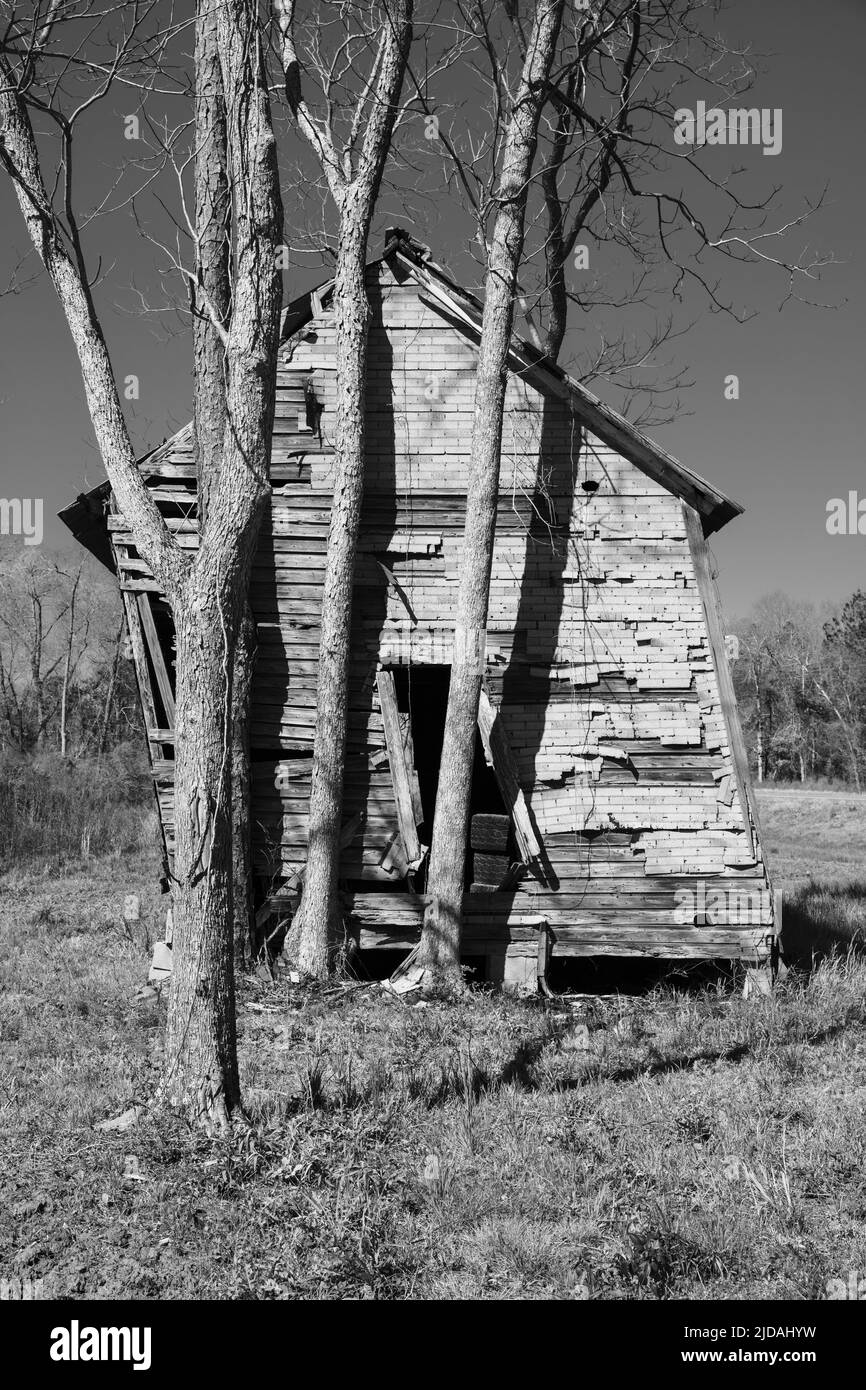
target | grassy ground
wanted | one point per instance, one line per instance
(55, 812)
(814, 833)
(658, 1146)
(817, 843)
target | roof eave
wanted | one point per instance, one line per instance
(714, 508)
(85, 518)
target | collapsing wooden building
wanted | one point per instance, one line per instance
(611, 803)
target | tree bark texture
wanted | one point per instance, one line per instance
(211, 304)
(201, 1064)
(317, 927)
(242, 867)
(201, 1058)
(211, 294)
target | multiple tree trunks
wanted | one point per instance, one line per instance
(601, 674)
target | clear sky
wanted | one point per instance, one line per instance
(793, 440)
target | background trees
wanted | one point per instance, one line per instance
(800, 679)
(65, 685)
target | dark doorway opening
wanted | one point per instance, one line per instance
(422, 695)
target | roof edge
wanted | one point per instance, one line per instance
(715, 508)
(85, 518)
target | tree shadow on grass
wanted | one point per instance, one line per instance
(519, 1070)
(821, 920)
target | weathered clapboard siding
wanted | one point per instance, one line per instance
(603, 660)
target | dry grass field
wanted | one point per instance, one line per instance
(676, 1142)
(817, 840)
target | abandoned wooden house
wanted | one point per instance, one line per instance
(612, 811)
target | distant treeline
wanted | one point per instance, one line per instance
(66, 682)
(800, 678)
(73, 767)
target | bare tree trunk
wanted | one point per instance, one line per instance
(207, 593)
(558, 242)
(64, 696)
(67, 665)
(242, 875)
(201, 1073)
(759, 746)
(211, 295)
(12, 707)
(20, 159)
(39, 701)
(558, 319)
(803, 731)
(211, 313)
(440, 939)
(317, 926)
(201, 1064)
(36, 677)
(759, 724)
